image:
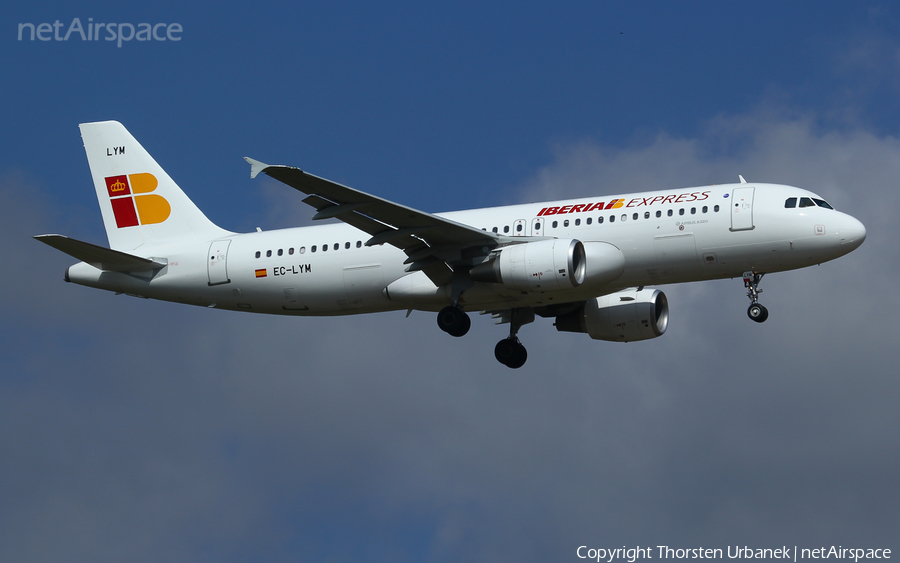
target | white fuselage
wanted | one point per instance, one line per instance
(666, 237)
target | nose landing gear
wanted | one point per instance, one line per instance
(756, 312)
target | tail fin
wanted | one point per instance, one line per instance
(139, 202)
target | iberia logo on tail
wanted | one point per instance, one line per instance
(132, 202)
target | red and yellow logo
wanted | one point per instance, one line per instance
(132, 202)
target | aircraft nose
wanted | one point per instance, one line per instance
(852, 233)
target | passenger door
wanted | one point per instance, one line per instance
(218, 262)
(742, 209)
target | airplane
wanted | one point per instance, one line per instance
(586, 263)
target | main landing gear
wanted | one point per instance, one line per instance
(509, 351)
(454, 321)
(756, 312)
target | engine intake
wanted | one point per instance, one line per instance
(626, 316)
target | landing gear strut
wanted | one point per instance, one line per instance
(509, 351)
(756, 312)
(454, 321)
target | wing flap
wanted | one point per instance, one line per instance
(100, 257)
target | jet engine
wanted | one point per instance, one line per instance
(538, 266)
(626, 316)
(547, 265)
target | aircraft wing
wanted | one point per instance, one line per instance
(432, 243)
(100, 257)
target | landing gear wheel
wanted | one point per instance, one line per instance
(758, 313)
(511, 353)
(454, 321)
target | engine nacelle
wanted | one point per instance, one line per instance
(625, 316)
(544, 265)
(605, 263)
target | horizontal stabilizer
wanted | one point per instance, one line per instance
(99, 257)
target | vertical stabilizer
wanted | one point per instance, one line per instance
(140, 203)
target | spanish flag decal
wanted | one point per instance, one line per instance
(132, 202)
(261, 273)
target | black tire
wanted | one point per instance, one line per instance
(510, 353)
(465, 323)
(758, 313)
(505, 350)
(454, 321)
(520, 357)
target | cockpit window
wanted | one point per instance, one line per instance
(822, 203)
(790, 203)
(806, 202)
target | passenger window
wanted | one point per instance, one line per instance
(716, 208)
(806, 202)
(268, 253)
(612, 218)
(519, 227)
(822, 203)
(258, 254)
(577, 222)
(705, 209)
(537, 226)
(681, 211)
(291, 251)
(646, 215)
(495, 230)
(359, 244)
(555, 224)
(302, 250)
(790, 203)
(313, 249)
(588, 221)
(599, 220)
(634, 217)
(669, 213)
(337, 245)
(346, 245)
(658, 214)
(281, 252)
(693, 210)
(506, 227)
(565, 223)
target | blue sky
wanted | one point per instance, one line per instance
(134, 430)
(426, 101)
